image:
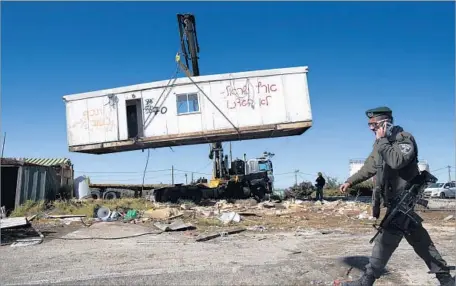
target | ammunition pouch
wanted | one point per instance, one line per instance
(376, 200)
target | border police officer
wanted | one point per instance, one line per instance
(394, 162)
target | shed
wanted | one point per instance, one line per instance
(23, 181)
(62, 166)
(206, 109)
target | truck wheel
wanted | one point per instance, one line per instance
(110, 196)
(259, 194)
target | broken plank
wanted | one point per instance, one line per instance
(13, 222)
(208, 237)
(236, 230)
(31, 218)
(248, 214)
(176, 216)
(215, 235)
(65, 216)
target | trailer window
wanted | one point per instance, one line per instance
(187, 103)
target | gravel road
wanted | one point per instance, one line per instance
(248, 258)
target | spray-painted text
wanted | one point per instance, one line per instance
(95, 118)
(250, 89)
(149, 108)
(240, 102)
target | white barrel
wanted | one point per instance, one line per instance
(82, 186)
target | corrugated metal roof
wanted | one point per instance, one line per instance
(47, 161)
(11, 161)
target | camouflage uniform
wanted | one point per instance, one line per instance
(393, 161)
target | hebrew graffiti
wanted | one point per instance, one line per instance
(248, 94)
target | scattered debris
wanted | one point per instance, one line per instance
(257, 228)
(66, 216)
(229, 217)
(296, 252)
(69, 220)
(215, 235)
(365, 215)
(248, 214)
(32, 218)
(161, 214)
(174, 226)
(176, 216)
(103, 213)
(29, 241)
(450, 217)
(268, 205)
(13, 222)
(131, 215)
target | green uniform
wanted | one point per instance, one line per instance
(394, 162)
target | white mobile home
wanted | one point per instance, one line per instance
(224, 107)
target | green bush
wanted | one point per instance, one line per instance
(362, 189)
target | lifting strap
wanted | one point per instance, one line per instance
(187, 73)
(170, 83)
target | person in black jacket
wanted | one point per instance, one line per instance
(320, 184)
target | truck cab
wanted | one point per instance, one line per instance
(441, 190)
(261, 164)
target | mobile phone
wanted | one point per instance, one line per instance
(388, 127)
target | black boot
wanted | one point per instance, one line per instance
(364, 280)
(445, 279)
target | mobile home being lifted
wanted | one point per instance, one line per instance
(196, 110)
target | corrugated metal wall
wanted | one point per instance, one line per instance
(36, 183)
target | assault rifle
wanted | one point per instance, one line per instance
(402, 212)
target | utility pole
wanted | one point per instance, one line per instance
(3, 145)
(186, 179)
(172, 175)
(192, 178)
(449, 173)
(296, 177)
(231, 155)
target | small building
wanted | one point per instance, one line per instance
(205, 109)
(23, 181)
(62, 166)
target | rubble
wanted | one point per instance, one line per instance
(230, 217)
(215, 235)
(305, 217)
(161, 214)
(174, 226)
(450, 217)
(13, 222)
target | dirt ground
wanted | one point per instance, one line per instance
(290, 243)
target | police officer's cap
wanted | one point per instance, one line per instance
(378, 111)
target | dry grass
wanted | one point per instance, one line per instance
(74, 207)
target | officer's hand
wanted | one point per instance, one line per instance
(343, 188)
(380, 132)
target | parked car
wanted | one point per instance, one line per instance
(441, 190)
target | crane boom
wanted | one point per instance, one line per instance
(189, 41)
(190, 50)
